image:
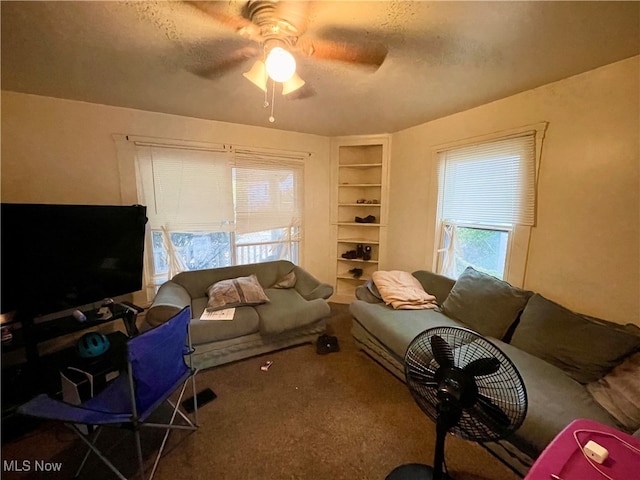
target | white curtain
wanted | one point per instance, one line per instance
(185, 190)
(449, 253)
(267, 193)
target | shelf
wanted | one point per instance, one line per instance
(359, 260)
(48, 330)
(359, 171)
(358, 240)
(360, 165)
(360, 185)
(346, 277)
(359, 205)
(356, 224)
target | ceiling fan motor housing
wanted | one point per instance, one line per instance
(272, 24)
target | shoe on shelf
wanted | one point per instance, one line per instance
(349, 255)
(366, 254)
(361, 200)
(356, 272)
(367, 219)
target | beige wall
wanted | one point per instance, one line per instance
(584, 250)
(61, 151)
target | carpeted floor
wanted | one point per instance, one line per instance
(339, 416)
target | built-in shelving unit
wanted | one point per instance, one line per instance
(359, 209)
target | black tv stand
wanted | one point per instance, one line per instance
(33, 332)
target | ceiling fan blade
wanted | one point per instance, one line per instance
(305, 92)
(482, 366)
(219, 66)
(240, 25)
(441, 351)
(370, 55)
(492, 411)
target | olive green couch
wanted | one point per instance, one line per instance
(573, 366)
(292, 316)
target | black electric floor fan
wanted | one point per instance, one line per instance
(467, 385)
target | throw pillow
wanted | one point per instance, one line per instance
(585, 348)
(484, 303)
(402, 290)
(619, 392)
(288, 281)
(236, 292)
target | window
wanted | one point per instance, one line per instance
(210, 208)
(268, 208)
(486, 197)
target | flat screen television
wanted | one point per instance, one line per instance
(60, 257)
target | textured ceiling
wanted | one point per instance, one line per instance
(443, 57)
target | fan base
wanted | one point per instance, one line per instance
(414, 471)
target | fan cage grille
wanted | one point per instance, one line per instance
(504, 388)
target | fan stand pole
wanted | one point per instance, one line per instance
(448, 416)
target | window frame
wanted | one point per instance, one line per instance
(127, 154)
(519, 235)
(508, 229)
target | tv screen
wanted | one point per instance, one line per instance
(60, 257)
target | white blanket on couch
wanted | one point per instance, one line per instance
(402, 290)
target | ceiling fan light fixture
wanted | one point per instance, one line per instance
(257, 75)
(293, 84)
(281, 65)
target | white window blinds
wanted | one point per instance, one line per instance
(491, 183)
(186, 190)
(267, 193)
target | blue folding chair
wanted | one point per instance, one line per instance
(157, 367)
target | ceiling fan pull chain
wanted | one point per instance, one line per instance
(273, 99)
(266, 81)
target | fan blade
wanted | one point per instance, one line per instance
(492, 411)
(240, 25)
(441, 351)
(306, 91)
(423, 374)
(371, 55)
(219, 66)
(482, 366)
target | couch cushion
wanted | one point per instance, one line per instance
(396, 328)
(484, 303)
(196, 282)
(289, 310)
(619, 392)
(584, 347)
(245, 322)
(554, 400)
(437, 285)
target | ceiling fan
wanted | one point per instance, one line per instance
(279, 27)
